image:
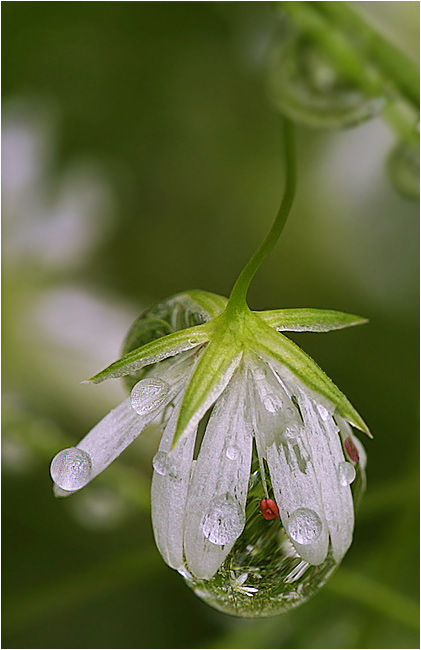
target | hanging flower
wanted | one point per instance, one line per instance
(251, 497)
(272, 411)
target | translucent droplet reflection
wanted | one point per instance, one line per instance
(160, 463)
(304, 526)
(149, 394)
(223, 522)
(263, 574)
(347, 473)
(71, 469)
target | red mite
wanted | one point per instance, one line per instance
(352, 451)
(269, 509)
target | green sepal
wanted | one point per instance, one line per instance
(212, 374)
(276, 345)
(309, 320)
(155, 351)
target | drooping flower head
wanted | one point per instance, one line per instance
(251, 492)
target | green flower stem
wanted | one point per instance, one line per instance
(238, 298)
(393, 63)
(374, 64)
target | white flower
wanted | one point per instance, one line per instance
(265, 397)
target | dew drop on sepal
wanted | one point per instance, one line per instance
(305, 86)
(263, 574)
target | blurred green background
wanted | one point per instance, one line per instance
(141, 157)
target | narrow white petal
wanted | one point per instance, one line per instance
(285, 444)
(73, 468)
(327, 456)
(217, 496)
(169, 491)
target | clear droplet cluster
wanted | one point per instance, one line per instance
(263, 575)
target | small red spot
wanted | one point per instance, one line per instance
(352, 451)
(269, 508)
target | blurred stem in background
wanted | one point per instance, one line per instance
(363, 55)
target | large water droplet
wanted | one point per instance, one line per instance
(224, 520)
(160, 463)
(149, 394)
(263, 574)
(71, 468)
(346, 473)
(304, 526)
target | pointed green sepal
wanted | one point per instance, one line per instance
(309, 320)
(276, 345)
(155, 351)
(212, 374)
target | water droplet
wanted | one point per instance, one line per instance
(346, 473)
(272, 403)
(277, 578)
(259, 374)
(160, 463)
(193, 341)
(149, 394)
(304, 526)
(232, 452)
(71, 469)
(223, 522)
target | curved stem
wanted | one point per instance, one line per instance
(238, 297)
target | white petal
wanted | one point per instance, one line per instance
(72, 469)
(284, 443)
(327, 455)
(169, 491)
(217, 496)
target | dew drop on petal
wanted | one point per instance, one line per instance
(232, 452)
(149, 394)
(71, 469)
(304, 526)
(223, 521)
(346, 473)
(160, 463)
